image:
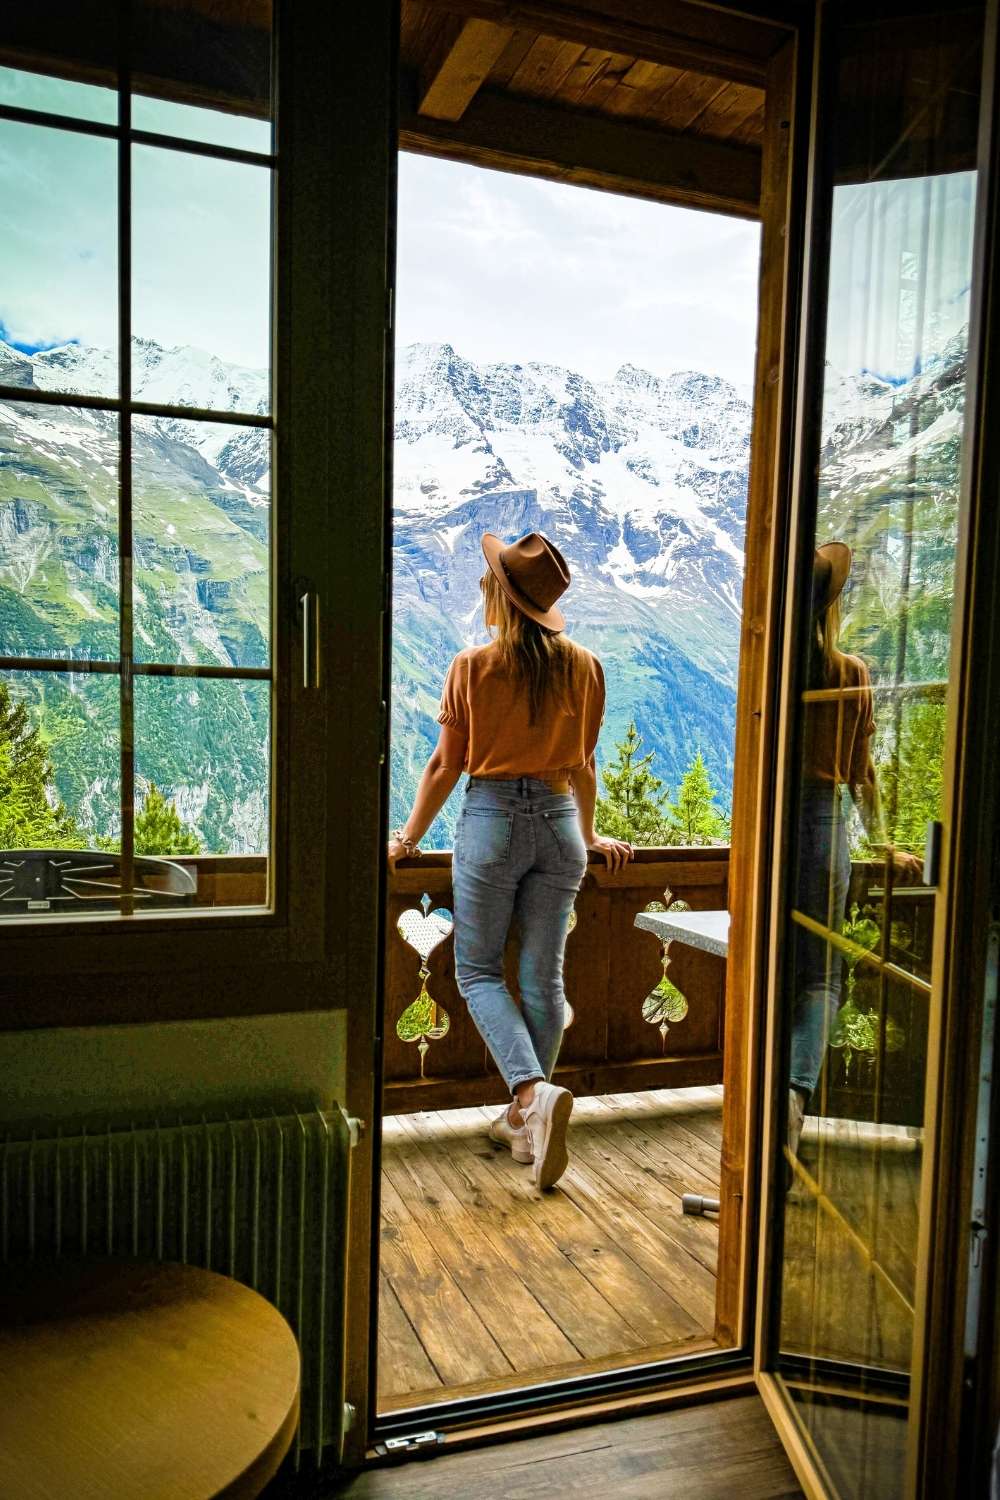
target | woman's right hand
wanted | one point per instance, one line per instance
(615, 852)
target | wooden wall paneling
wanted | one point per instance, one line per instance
(586, 975)
(756, 709)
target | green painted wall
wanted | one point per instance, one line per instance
(119, 1073)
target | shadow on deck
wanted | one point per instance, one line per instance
(488, 1284)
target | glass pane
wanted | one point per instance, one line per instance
(201, 253)
(202, 762)
(58, 260)
(58, 532)
(59, 786)
(872, 728)
(204, 74)
(58, 96)
(200, 494)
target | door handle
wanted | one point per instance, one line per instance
(309, 610)
(932, 854)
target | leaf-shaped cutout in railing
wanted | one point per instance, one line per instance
(665, 1005)
(424, 1020)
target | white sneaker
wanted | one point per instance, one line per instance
(546, 1118)
(514, 1136)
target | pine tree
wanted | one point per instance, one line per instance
(159, 829)
(694, 817)
(31, 813)
(634, 808)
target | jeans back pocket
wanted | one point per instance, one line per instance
(483, 836)
(565, 826)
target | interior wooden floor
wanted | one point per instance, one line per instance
(707, 1452)
(487, 1283)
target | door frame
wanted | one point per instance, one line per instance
(783, 187)
(939, 1394)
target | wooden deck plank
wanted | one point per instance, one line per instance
(499, 1284)
(519, 1323)
(588, 1319)
(403, 1362)
(457, 1343)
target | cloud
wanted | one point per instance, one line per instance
(509, 268)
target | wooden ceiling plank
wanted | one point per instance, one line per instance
(727, 112)
(535, 138)
(634, 103)
(459, 66)
(652, 42)
(579, 78)
(511, 59)
(605, 81)
(681, 105)
(751, 132)
(545, 67)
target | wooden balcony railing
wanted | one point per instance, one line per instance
(434, 1063)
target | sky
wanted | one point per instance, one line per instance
(502, 267)
(200, 247)
(515, 269)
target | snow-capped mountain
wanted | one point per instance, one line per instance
(640, 480)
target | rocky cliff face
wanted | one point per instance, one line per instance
(641, 481)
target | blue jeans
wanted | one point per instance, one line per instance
(518, 853)
(824, 874)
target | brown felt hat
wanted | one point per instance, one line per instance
(532, 573)
(831, 566)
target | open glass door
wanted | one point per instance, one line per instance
(874, 658)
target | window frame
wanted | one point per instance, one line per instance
(196, 963)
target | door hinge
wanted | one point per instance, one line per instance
(401, 1447)
(383, 732)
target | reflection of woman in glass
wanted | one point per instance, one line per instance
(836, 753)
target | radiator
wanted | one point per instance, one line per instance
(262, 1199)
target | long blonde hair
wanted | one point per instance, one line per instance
(545, 664)
(826, 665)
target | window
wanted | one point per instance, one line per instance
(136, 448)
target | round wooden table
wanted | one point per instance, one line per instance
(128, 1381)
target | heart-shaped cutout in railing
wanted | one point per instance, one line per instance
(425, 930)
(424, 1020)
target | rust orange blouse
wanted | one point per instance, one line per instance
(481, 703)
(837, 728)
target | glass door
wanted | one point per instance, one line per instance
(871, 669)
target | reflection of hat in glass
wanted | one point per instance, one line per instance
(831, 566)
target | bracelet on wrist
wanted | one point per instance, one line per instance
(412, 848)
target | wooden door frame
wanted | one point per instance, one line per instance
(943, 1416)
(757, 707)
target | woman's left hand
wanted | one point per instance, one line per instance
(907, 869)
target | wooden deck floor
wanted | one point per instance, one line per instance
(487, 1283)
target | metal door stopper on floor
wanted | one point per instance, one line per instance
(694, 1203)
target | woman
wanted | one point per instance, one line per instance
(836, 754)
(521, 716)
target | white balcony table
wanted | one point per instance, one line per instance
(709, 931)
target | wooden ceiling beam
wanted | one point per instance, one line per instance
(543, 140)
(459, 65)
(651, 42)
